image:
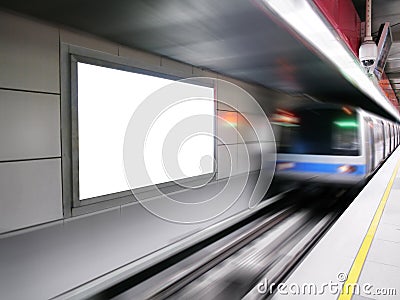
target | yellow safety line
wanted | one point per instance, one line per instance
(352, 279)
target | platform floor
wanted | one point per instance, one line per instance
(361, 252)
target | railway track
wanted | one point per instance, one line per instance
(267, 246)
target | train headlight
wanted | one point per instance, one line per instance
(346, 169)
(285, 166)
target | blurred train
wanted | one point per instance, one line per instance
(333, 144)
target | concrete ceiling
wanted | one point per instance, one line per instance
(232, 37)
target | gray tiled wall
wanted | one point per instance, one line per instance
(29, 55)
(30, 151)
(29, 125)
(30, 193)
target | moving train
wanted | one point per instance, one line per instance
(332, 144)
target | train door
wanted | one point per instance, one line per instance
(379, 146)
(383, 140)
(369, 144)
(387, 148)
(397, 135)
(391, 138)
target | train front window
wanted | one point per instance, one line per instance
(321, 132)
(345, 136)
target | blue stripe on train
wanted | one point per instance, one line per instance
(321, 168)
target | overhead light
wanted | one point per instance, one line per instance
(306, 20)
(347, 110)
(285, 124)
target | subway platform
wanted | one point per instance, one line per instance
(359, 257)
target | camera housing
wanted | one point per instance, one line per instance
(368, 53)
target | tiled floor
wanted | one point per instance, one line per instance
(382, 267)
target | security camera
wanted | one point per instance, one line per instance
(368, 53)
